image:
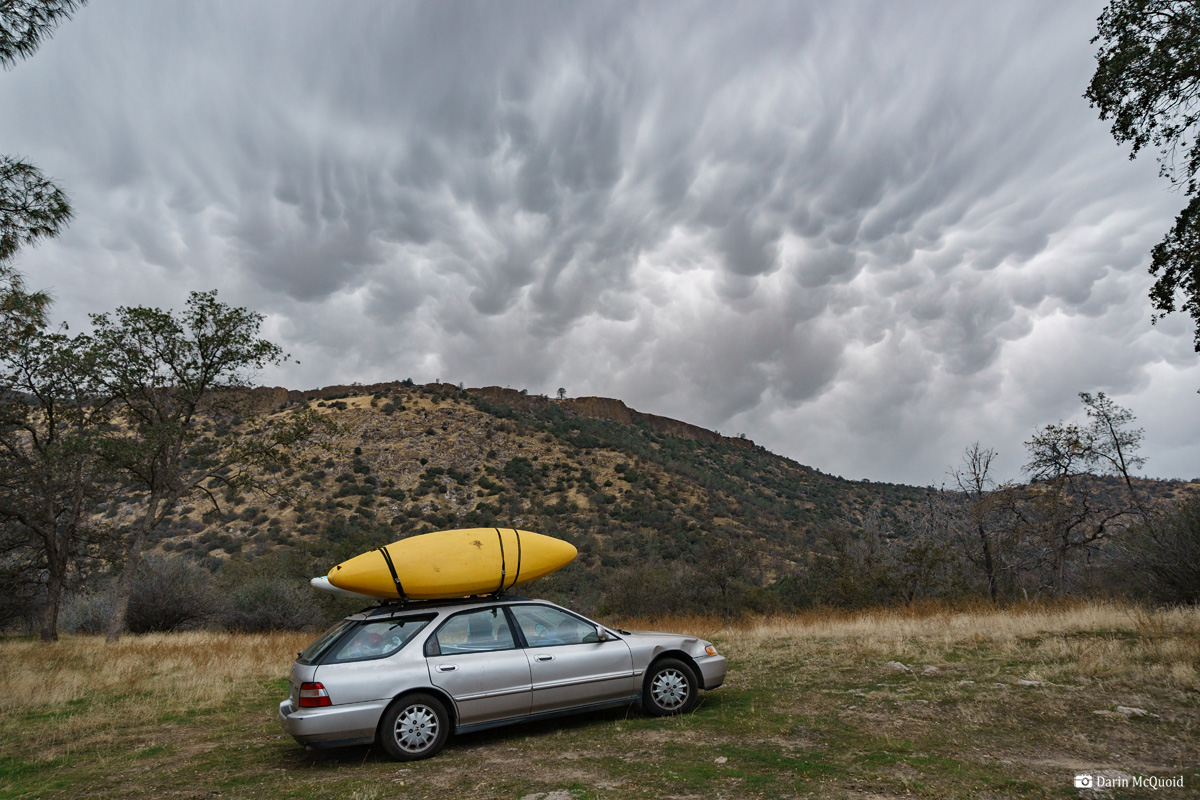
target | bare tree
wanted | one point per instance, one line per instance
(1068, 503)
(974, 480)
(1162, 560)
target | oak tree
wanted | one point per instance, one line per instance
(169, 374)
(53, 416)
(1147, 81)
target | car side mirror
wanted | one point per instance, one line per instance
(602, 634)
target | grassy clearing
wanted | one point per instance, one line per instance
(989, 703)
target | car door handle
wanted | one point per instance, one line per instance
(447, 667)
(543, 658)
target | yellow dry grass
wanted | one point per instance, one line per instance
(810, 703)
(90, 688)
(87, 688)
(195, 669)
(1063, 641)
(198, 669)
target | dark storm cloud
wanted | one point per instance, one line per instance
(865, 234)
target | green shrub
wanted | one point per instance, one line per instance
(520, 471)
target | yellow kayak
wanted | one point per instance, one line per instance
(446, 564)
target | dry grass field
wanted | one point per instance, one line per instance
(919, 702)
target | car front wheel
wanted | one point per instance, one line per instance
(414, 727)
(670, 688)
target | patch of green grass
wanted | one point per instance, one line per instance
(64, 711)
(13, 769)
(153, 751)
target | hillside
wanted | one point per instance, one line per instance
(628, 489)
(666, 515)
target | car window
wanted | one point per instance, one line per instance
(544, 626)
(377, 639)
(473, 632)
(314, 650)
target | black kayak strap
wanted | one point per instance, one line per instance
(517, 576)
(392, 569)
(503, 566)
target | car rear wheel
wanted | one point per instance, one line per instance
(670, 688)
(414, 727)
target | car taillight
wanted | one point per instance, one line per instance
(313, 695)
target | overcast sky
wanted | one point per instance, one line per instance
(863, 234)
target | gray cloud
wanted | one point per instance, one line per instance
(865, 235)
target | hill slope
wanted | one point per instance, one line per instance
(666, 515)
(628, 489)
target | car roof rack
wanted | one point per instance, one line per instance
(386, 607)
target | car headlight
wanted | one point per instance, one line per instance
(712, 651)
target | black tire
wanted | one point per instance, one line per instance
(670, 688)
(414, 727)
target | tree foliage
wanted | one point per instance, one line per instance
(52, 479)
(31, 206)
(1176, 263)
(24, 24)
(1147, 81)
(47, 416)
(163, 369)
(1105, 445)
(21, 312)
(1072, 510)
(128, 410)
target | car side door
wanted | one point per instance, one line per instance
(476, 659)
(569, 666)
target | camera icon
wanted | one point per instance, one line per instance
(1083, 782)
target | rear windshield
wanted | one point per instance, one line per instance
(314, 650)
(353, 640)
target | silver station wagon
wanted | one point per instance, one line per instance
(409, 675)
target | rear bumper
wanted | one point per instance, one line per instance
(712, 671)
(332, 725)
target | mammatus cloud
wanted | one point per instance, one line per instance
(864, 235)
